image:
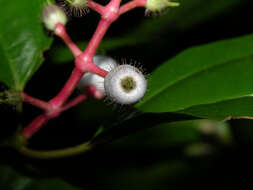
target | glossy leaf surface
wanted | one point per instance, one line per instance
(22, 41)
(208, 74)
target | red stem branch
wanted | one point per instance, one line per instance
(90, 92)
(75, 102)
(96, 7)
(132, 5)
(84, 63)
(34, 126)
(68, 88)
(60, 31)
(102, 27)
(36, 102)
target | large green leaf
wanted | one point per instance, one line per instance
(227, 109)
(13, 180)
(207, 74)
(135, 124)
(22, 41)
(177, 133)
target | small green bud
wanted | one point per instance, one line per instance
(158, 5)
(52, 15)
(78, 3)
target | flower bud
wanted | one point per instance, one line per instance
(104, 62)
(52, 15)
(77, 3)
(125, 84)
(159, 5)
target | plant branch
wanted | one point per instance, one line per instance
(91, 91)
(75, 102)
(83, 63)
(108, 16)
(96, 7)
(60, 31)
(102, 27)
(36, 102)
(69, 87)
(132, 5)
(85, 147)
(123, 129)
(34, 126)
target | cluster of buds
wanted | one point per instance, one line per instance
(124, 84)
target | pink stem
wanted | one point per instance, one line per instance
(36, 124)
(36, 102)
(60, 31)
(91, 91)
(33, 127)
(109, 15)
(84, 63)
(75, 102)
(131, 5)
(91, 67)
(69, 87)
(114, 4)
(102, 27)
(96, 7)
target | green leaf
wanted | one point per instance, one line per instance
(13, 180)
(22, 41)
(162, 135)
(207, 74)
(223, 110)
(135, 124)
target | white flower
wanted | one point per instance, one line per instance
(125, 84)
(104, 62)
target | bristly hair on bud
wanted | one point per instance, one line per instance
(154, 7)
(104, 62)
(52, 15)
(125, 84)
(77, 8)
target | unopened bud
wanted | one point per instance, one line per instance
(52, 15)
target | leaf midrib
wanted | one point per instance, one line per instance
(185, 77)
